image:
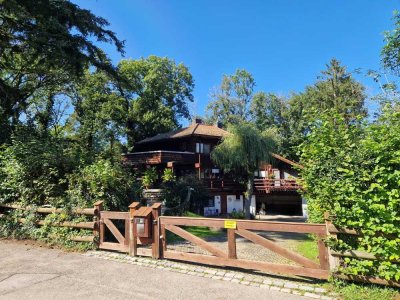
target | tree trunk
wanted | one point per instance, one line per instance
(248, 196)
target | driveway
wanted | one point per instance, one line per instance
(31, 272)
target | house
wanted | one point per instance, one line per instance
(187, 151)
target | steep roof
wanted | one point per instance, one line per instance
(288, 161)
(192, 130)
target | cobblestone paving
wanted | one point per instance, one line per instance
(296, 286)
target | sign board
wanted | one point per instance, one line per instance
(230, 224)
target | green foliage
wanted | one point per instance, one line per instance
(44, 45)
(168, 175)
(232, 99)
(390, 52)
(242, 152)
(150, 176)
(186, 194)
(48, 233)
(352, 171)
(156, 91)
(356, 291)
(103, 181)
(238, 215)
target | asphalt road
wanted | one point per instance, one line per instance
(31, 272)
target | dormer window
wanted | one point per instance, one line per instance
(203, 148)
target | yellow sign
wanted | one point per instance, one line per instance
(230, 224)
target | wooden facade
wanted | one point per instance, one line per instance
(187, 151)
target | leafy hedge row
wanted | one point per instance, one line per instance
(353, 172)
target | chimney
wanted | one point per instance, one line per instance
(219, 124)
(197, 120)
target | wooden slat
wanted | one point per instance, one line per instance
(323, 254)
(164, 238)
(359, 255)
(89, 238)
(231, 244)
(255, 238)
(50, 210)
(144, 252)
(196, 240)
(113, 246)
(366, 279)
(84, 225)
(114, 215)
(247, 224)
(114, 230)
(247, 264)
(334, 229)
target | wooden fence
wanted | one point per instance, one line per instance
(336, 257)
(93, 225)
(126, 239)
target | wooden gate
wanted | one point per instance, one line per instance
(305, 267)
(107, 219)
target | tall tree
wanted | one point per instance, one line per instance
(242, 152)
(231, 101)
(43, 44)
(156, 92)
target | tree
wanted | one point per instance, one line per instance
(156, 94)
(390, 52)
(351, 171)
(230, 102)
(43, 45)
(336, 90)
(242, 152)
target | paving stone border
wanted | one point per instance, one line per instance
(261, 281)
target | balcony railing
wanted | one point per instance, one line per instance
(224, 184)
(260, 185)
(269, 185)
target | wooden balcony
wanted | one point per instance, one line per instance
(222, 184)
(273, 185)
(160, 157)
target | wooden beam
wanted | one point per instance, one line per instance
(247, 264)
(89, 238)
(247, 224)
(255, 238)
(113, 246)
(114, 215)
(196, 240)
(367, 279)
(114, 230)
(50, 210)
(231, 244)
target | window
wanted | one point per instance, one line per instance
(210, 203)
(203, 148)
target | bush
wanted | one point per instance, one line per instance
(103, 181)
(175, 194)
(353, 172)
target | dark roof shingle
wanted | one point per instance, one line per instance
(193, 129)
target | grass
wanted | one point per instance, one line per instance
(308, 248)
(353, 291)
(199, 231)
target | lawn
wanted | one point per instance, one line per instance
(199, 231)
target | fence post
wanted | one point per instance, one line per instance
(97, 232)
(132, 236)
(156, 212)
(333, 261)
(231, 243)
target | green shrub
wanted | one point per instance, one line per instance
(103, 181)
(150, 176)
(353, 172)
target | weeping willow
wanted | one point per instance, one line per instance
(242, 152)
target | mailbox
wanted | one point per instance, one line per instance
(143, 221)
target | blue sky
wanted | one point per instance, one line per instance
(284, 44)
